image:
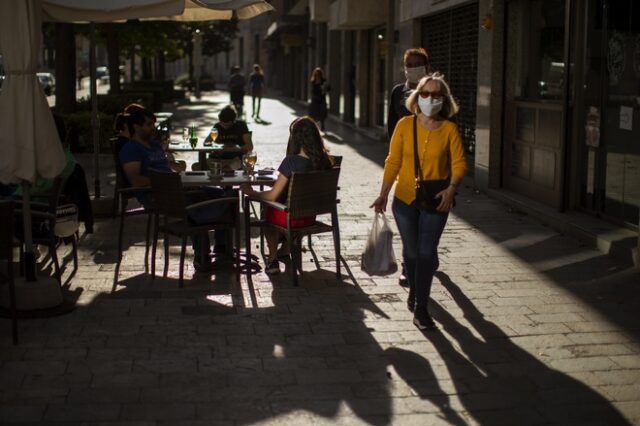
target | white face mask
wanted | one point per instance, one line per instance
(429, 106)
(415, 74)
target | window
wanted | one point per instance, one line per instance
(541, 50)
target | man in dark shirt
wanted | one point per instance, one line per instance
(416, 66)
(237, 82)
(233, 134)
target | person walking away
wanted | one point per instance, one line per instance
(256, 88)
(305, 152)
(416, 66)
(319, 89)
(440, 155)
(236, 85)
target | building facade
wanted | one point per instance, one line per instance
(549, 89)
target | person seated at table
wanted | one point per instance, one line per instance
(141, 153)
(122, 132)
(233, 135)
(305, 152)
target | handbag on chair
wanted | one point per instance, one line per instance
(66, 221)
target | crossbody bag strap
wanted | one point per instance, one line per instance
(416, 160)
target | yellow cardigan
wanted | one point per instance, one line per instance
(440, 152)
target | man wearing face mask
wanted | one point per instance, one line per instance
(425, 146)
(416, 66)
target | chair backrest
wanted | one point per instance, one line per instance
(313, 193)
(6, 230)
(167, 192)
(116, 145)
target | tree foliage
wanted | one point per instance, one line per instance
(148, 38)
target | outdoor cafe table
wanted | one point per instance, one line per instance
(204, 178)
(200, 148)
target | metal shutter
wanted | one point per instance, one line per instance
(451, 39)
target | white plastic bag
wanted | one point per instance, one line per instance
(378, 257)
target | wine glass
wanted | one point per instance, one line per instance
(213, 133)
(249, 161)
(186, 133)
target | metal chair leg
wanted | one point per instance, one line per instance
(120, 233)
(12, 302)
(336, 242)
(154, 247)
(165, 271)
(146, 244)
(183, 249)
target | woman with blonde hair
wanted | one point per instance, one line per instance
(319, 89)
(425, 147)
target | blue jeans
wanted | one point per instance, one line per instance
(420, 232)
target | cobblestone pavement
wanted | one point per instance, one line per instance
(534, 327)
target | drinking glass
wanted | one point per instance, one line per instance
(214, 134)
(186, 133)
(249, 161)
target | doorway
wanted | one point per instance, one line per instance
(609, 148)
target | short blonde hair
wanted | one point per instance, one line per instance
(449, 105)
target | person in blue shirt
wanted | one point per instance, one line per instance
(143, 152)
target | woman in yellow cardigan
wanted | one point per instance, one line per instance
(441, 156)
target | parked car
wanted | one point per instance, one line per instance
(102, 72)
(48, 82)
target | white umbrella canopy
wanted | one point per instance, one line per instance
(28, 138)
(171, 10)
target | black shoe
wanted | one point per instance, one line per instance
(273, 268)
(422, 320)
(403, 281)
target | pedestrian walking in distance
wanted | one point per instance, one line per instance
(256, 88)
(438, 158)
(416, 66)
(237, 83)
(319, 89)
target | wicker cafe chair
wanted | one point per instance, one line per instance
(123, 193)
(170, 201)
(7, 243)
(310, 194)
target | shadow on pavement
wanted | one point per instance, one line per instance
(206, 352)
(602, 281)
(497, 382)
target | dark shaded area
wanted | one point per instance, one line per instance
(500, 383)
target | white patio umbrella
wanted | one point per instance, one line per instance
(121, 10)
(28, 138)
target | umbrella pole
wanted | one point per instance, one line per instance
(95, 122)
(29, 254)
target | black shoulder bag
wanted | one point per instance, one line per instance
(426, 190)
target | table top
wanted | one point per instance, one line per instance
(185, 146)
(202, 178)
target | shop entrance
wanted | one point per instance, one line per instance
(609, 104)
